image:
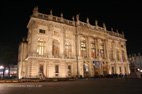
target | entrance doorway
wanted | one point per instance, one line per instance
(86, 70)
(41, 72)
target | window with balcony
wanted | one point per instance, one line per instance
(102, 55)
(93, 49)
(83, 47)
(40, 47)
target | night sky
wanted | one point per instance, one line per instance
(15, 14)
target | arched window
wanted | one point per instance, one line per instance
(55, 48)
(68, 49)
(40, 47)
(83, 47)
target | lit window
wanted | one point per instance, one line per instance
(83, 47)
(40, 47)
(93, 49)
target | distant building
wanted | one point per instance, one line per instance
(8, 71)
(135, 65)
(59, 48)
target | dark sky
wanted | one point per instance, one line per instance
(15, 14)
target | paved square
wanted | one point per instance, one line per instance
(92, 86)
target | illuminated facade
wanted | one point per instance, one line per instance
(59, 48)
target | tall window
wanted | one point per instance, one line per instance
(111, 52)
(117, 54)
(123, 56)
(40, 47)
(68, 49)
(102, 49)
(55, 48)
(93, 49)
(83, 47)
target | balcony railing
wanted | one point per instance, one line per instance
(72, 23)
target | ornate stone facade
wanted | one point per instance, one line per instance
(59, 48)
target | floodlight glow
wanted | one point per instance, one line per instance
(6, 71)
(140, 70)
(1, 67)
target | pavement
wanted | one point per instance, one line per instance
(83, 86)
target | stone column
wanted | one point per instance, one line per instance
(105, 49)
(114, 51)
(125, 54)
(50, 41)
(128, 69)
(78, 46)
(87, 47)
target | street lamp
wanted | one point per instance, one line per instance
(1, 67)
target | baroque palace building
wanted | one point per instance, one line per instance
(59, 48)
